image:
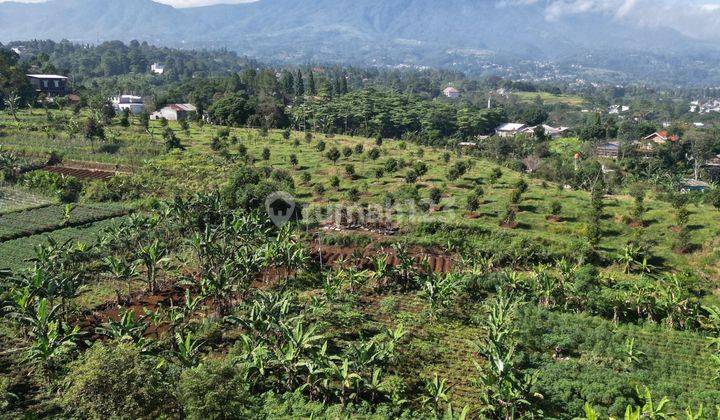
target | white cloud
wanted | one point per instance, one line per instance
(695, 18)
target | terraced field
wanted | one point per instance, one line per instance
(15, 253)
(13, 199)
(19, 224)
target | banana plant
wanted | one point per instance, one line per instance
(342, 374)
(120, 269)
(126, 329)
(188, 349)
(152, 256)
(436, 394)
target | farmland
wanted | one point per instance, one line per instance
(416, 266)
(24, 223)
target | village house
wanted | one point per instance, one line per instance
(451, 92)
(49, 84)
(132, 103)
(694, 185)
(553, 132)
(608, 150)
(174, 112)
(660, 137)
(510, 129)
(157, 68)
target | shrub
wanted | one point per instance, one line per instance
(473, 203)
(374, 153)
(712, 197)
(319, 189)
(320, 147)
(248, 187)
(353, 194)
(555, 208)
(333, 154)
(411, 176)
(335, 182)
(116, 381)
(347, 151)
(117, 188)
(435, 195)
(359, 149)
(350, 170)
(266, 154)
(215, 389)
(66, 188)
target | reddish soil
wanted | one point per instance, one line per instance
(331, 255)
(512, 225)
(554, 219)
(80, 173)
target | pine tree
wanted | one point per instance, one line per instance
(311, 84)
(299, 84)
(344, 84)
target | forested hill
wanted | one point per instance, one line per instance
(327, 27)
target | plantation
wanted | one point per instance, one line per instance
(428, 268)
(24, 223)
(445, 308)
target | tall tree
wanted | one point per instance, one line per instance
(311, 83)
(299, 84)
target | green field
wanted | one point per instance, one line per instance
(30, 222)
(588, 326)
(551, 99)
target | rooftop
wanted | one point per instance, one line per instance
(46, 76)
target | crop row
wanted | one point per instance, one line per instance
(14, 254)
(34, 221)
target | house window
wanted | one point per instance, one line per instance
(57, 84)
(45, 83)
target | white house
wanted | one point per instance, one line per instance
(451, 92)
(132, 103)
(174, 112)
(510, 129)
(553, 132)
(157, 68)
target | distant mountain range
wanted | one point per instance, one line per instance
(413, 32)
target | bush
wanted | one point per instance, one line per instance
(215, 389)
(249, 187)
(116, 381)
(66, 188)
(117, 188)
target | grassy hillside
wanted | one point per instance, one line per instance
(577, 322)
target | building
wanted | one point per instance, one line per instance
(174, 112)
(49, 84)
(510, 129)
(694, 185)
(132, 103)
(157, 68)
(451, 92)
(618, 109)
(553, 132)
(608, 150)
(660, 137)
